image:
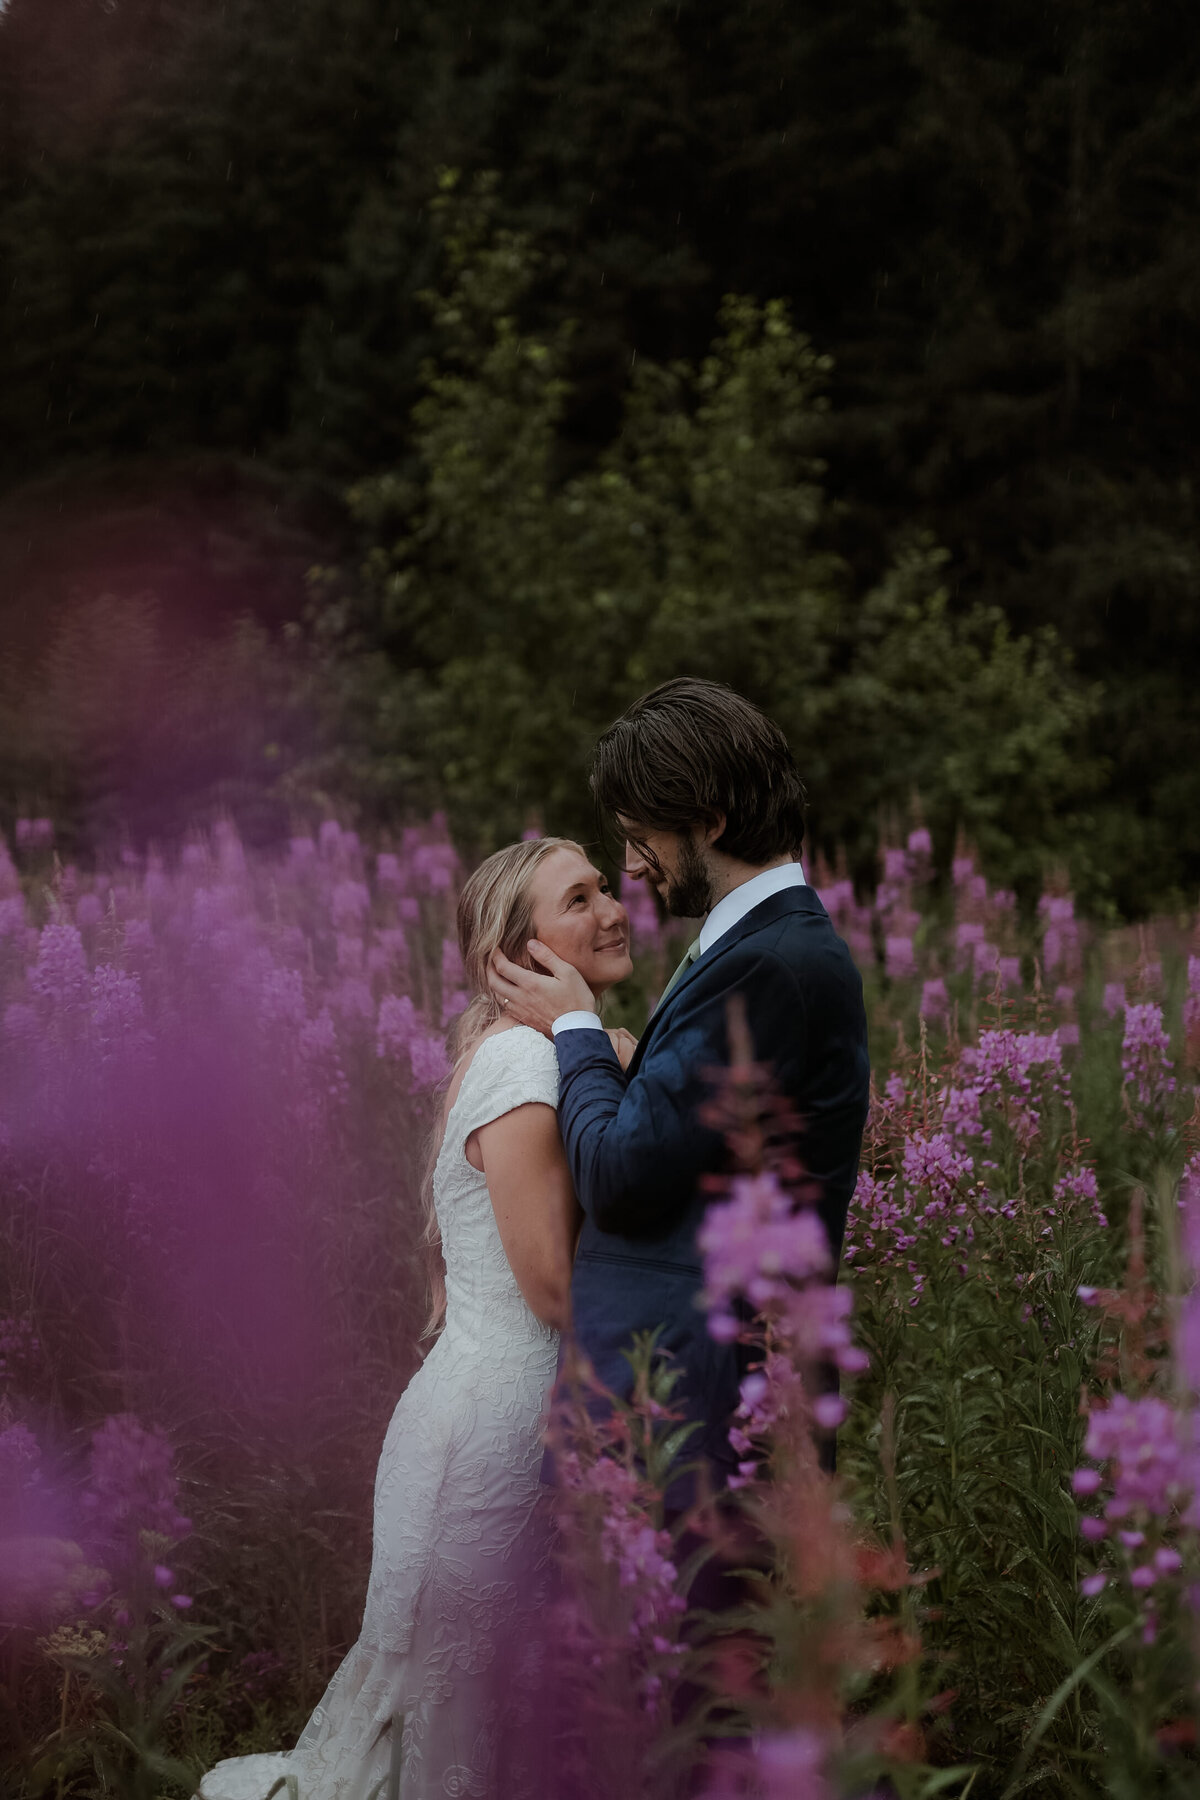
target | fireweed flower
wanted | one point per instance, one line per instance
(1060, 941)
(117, 1014)
(429, 1062)
(1149, 1082)
(1078, 1189)
(350, 903)
(352, 999)
(754, 1245)
(281, 1001)
(434, 867)
(935, 1001)
(1114, 998)
(59, 978)
(131, 1486)
(639, 1554)
(350, 952)
(396, 1025)
(1016, 1073)
(895, 1094)
(967, 937)
(962, 1114)
(761, 1250)
(389, 950)
(936, 1164)
(877, 1224)
(1150, 1481)
(1010, 971)
(986, 963)
(898, 958)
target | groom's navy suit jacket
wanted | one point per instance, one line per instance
(637, 1147)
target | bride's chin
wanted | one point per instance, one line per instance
(613, 979)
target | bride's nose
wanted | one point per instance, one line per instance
(612, 912)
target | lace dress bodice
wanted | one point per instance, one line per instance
(459, 1550)
(483, 1300)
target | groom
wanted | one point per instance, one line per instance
(703, 788)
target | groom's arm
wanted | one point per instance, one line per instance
(637, 1148)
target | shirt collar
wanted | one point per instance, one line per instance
(741, 900)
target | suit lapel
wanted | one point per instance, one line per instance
(776, 906)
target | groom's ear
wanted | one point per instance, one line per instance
(714, 829)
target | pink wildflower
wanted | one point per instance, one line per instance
(757, 1242)
(427, 1055)
(934, 1163)
(131, 1485)
(396, 1025)
(1146, 1065)
(59, 978)
(899, 959)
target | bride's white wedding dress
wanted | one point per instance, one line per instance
(459, 1546)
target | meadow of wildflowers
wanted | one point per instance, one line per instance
(218, 1077)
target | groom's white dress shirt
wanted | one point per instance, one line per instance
(723, 917)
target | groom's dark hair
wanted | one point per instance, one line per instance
(691, 749)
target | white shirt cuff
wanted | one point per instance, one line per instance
(576, 1021)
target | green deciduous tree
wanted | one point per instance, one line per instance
(505, 614)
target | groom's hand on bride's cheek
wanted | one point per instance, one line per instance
(542, 994)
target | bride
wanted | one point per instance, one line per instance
(432, 1693)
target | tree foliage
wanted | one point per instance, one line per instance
(214, 229)
(505, 614)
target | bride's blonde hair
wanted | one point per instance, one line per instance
(495, 912)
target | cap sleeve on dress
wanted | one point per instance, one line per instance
(514, 1068)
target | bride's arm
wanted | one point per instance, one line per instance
(523, 1161)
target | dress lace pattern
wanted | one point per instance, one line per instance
(459, 1555)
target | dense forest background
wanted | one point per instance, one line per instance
(329, 478)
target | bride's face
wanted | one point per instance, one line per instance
(576, 915)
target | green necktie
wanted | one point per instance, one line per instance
(689, 957)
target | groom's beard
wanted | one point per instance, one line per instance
(690, 892)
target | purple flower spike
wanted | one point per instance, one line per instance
(1149, 1082)
(1091, 1585)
